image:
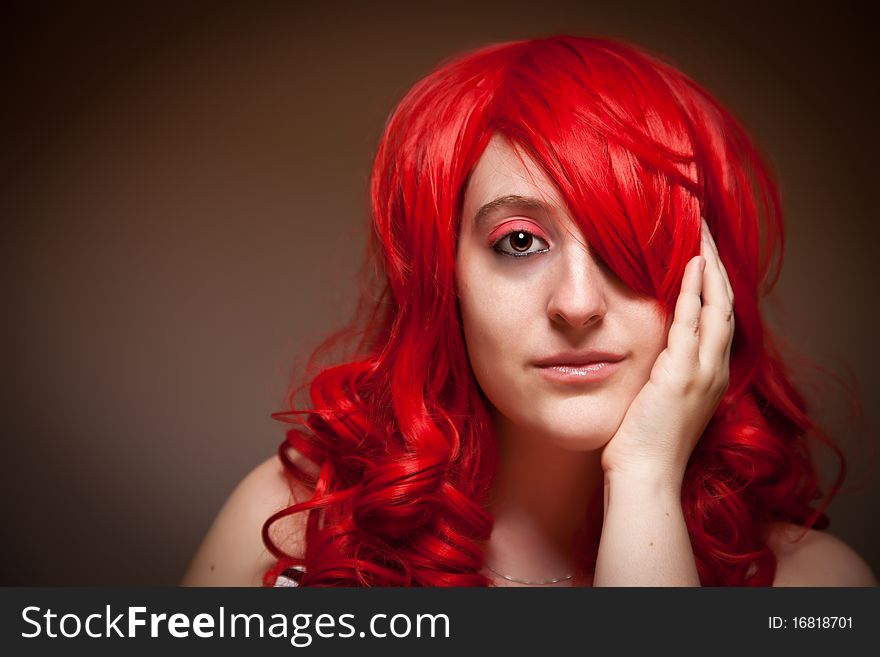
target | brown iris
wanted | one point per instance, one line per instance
(521, 240)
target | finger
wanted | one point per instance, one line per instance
(716, 322)
(707, 232)
(684, 333)
(716, 337)
(715, 291)
(729, 346)
(723, 270)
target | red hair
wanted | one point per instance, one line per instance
(401, 430)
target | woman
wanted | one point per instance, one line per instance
(553, 385)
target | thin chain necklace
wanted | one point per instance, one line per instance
(555, 580)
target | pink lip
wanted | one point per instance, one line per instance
(575, 373)
(576, 359)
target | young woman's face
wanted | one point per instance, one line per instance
(538, 307)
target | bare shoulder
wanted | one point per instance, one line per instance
(232, 553)
(815, 558)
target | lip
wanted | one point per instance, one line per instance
(575, 359)
(579, 373)
(579, 368)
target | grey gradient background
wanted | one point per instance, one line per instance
(184, 210)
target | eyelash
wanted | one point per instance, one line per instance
(525, 254)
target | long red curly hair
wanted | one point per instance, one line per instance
(401, 433)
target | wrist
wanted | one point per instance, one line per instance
(645, 481)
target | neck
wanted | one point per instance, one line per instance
(539, 502)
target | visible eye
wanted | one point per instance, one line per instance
(521, 243)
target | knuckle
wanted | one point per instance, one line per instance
(705, 378)
(708, 382)
(683, 386)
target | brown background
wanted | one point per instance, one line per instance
(183, 207)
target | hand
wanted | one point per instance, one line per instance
(666, 419)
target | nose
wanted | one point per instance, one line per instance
(577, 288)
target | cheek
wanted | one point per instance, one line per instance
(662, 333)
(486, 324)
(652, 344)
(496, 328)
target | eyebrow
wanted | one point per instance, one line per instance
(513, 200)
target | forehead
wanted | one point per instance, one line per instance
(505, 170)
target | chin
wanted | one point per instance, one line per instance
(580, 442)
(583, 425)
(578, 429)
